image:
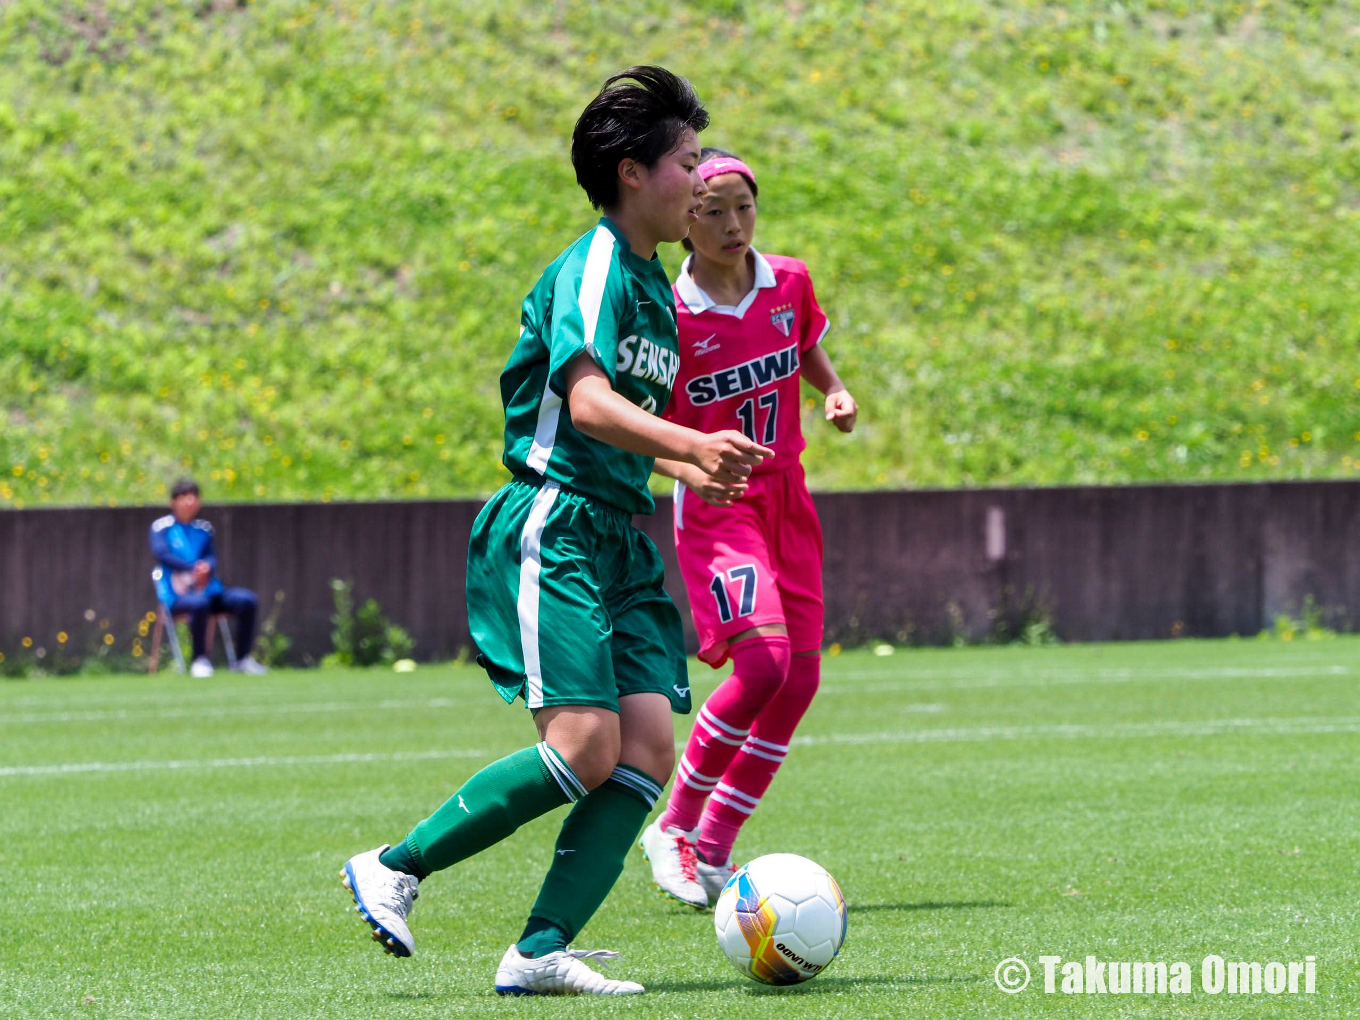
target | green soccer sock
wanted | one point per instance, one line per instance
(591, 849)
(487, 808)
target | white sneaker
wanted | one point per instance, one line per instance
(560, 973)
(200, 669)
(250, 666)
(674, 863)
(383, 898)
(712, 877)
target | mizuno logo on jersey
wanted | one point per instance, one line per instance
(649, 361)
(743, 378)
(706, 345)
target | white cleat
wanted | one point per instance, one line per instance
(712, 877)
(383, 898)
(200, 669)
(560, 973)
(250, 666)
(674, 863)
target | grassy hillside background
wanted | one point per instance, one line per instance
(282, 245)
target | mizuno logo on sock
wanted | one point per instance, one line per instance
(563, 853)
(462, 805)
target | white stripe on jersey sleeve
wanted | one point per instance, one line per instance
(588, 298)
(545, 432)
(593, 279)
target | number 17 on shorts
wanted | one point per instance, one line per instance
(743, 581)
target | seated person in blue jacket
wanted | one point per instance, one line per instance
(187, 581)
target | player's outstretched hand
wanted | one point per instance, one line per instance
(841, 410)
(727, 457)
(714, 492)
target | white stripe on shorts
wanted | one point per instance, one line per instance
(530, 569)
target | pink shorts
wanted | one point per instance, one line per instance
(754, 563)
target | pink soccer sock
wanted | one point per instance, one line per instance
(760, 668)
(737, 794)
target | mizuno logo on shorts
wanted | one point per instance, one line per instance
(682, 691)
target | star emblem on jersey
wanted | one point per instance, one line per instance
(782, 319)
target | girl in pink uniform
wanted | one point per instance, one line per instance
(750, 552)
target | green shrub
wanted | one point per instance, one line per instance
(271, 645)
(1309, 627)
(364, 637)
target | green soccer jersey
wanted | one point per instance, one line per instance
(597, 297)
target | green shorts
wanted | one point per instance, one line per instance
(565, 602)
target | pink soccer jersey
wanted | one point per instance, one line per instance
(739, 365)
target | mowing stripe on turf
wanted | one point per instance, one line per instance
(855, 683)
(217, 711)
(835, 684)
(1302, 725)
(1081, 731)
(87, 767)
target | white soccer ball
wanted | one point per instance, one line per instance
(780, 919)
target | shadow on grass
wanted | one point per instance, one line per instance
(821, 986)
(864, 908)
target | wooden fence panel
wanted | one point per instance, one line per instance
(1094, 563)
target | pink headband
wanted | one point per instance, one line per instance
(725, 165)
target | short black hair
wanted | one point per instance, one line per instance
(183, 487)
(640, 114)
(712, 152)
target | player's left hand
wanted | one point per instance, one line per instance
(841, 410)
(714, 492)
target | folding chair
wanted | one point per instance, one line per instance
(165, 625)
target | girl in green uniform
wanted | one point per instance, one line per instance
(565, 601)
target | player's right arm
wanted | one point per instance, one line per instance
(597, 410)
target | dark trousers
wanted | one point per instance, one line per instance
(239, 602)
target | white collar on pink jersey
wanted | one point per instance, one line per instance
(697, 301)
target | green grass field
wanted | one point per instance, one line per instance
(169, 848)
(282, 244)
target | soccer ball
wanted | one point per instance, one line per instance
(780, 919)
